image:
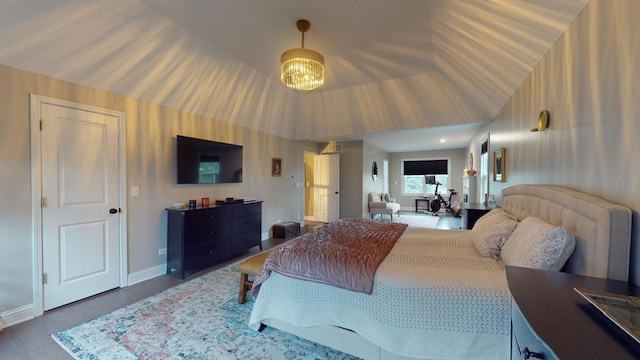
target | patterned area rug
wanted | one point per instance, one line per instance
(200, 319)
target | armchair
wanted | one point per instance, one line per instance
(383, 204)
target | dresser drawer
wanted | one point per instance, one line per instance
(201, 217)
(246, 241)
(246, 210)
(247, 224)
(206, 233)
(202, 255)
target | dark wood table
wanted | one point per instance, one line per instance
(567, 323)
(422, 199)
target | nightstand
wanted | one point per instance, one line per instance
(550, 319)
(471, 212)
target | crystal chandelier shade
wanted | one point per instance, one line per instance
(302, 69)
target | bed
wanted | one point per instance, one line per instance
(435, 296)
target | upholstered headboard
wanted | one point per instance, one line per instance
(602, 229)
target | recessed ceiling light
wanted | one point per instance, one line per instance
(443, 140)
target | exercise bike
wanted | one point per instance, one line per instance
(440, 202)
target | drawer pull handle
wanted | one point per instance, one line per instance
(528, 354)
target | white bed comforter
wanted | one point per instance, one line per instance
(434, 297)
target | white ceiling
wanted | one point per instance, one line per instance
(400, 74)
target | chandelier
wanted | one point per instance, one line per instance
(302, 69)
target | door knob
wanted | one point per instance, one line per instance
(113, 211)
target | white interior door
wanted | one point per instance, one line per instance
(328, 187)
(80, 205)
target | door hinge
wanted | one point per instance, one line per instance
(41, 125)
(43, 202)
(44, 278)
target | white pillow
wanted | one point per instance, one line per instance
(491, 231)
(537, 244)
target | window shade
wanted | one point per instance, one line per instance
(426, 167)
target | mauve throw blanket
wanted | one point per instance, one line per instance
(344, 253)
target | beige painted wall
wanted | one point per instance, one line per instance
(150, 142)
(589, 83)
(310, 186)
(371, 153)
(351, 179)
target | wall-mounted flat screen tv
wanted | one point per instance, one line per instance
(202, 161)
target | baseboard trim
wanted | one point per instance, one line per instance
(146, 274)
(17, 315)
(152, 272)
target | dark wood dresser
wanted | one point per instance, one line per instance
(550, 320)
(201, 237)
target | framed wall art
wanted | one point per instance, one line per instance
(276, 167)
(499, 174)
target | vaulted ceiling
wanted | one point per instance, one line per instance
(420, 69)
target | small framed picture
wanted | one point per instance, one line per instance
(276, 167)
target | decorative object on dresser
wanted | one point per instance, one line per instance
(286, 230)
(200, 237)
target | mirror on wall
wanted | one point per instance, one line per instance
(499, 174)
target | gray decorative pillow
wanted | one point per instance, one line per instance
(491, 231)
(537, 244)
(387, 197)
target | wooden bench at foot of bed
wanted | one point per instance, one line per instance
(249, 267)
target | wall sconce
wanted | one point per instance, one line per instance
(543, 121)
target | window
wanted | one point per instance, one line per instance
(209, 169)
(414, 174)
(442, 188)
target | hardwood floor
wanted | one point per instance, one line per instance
(32, 340)
(449, 222)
